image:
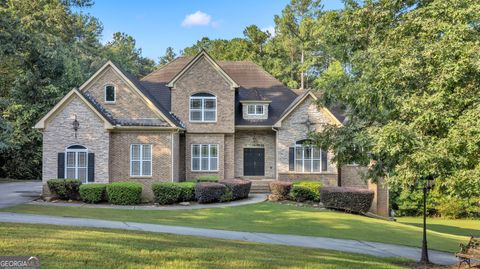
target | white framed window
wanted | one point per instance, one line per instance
(308, 159)
(110, 94)
(76, 163)
(204, 157)
(203, 107)
(141, 160)
(255, 109)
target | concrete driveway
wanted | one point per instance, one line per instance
(14, 193)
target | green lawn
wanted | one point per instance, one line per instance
(272, 218)
(71, 247)
(462, 227)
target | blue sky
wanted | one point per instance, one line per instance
(157, 25)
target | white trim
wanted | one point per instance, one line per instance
(130, 83)
(322, 109)
(76, 166)
(114, 93)
(74, 92)
(265, 102)
(202, 109)
(255, 109)
(209, 157)
(204, 54)
(141, 160)
(303, 160)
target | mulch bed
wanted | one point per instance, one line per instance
(434, 266)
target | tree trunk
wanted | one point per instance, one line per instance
(339, 175)
(301, 74)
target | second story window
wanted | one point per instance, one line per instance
(110, 94)
(255, 110)
(203, 107)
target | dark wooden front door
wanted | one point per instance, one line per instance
(253, 162)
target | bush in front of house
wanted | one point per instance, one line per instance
(93, 193)
(240, 188)
(166, 193)
(124, 193)
(348, 199)
(187, 192)
(209, 192)
(65, 188)
(206, 179)
(306, 191)
(280, 189)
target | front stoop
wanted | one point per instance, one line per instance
(260, 185)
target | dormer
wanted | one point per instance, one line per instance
(255, 109)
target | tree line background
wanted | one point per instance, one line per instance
(405, 71)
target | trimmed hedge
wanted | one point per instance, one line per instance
(65, 188)
(93, 193)
(166, 193)
(124, 193)
(348, 199)
(209, 192)
(187, 193)
(206, 179)
(240, 188)
(306, 191)
(280, 188)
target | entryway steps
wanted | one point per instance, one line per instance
(261, 186)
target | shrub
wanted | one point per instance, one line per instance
(166, 192)
(65, 188)
(348, 199)
(227, 196)
(187, 191)
(240, 188)
(124, 193)
(306, 191)
(93, 193)
(209, 192)
(280, 188)
(206, 179)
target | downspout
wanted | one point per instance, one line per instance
(171, 150)
(276, 152)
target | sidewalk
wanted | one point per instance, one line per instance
(362, 247)
(252, 199)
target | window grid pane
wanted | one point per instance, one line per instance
(203, 108)
(204, 157)
(307, 159)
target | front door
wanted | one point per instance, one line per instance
(253, 162)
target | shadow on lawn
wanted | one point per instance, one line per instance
(447, 229)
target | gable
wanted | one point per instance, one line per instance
(203, 61)
(81, 102)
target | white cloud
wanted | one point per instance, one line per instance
(197, 19)
(270, 29)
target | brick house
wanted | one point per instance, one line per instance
(194, 116)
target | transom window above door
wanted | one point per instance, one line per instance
(203, 107)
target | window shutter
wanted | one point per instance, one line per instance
(91, 167)
(291, 159)
(324, 160)
(61, 165)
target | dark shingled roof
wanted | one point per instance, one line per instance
(255, 84)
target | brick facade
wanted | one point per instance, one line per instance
(218, 139)
(294, 129)
(129, 104)
(202, 77)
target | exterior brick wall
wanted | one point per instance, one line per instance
(353, 176)
(128, 105)
(203, 77)
(229, 156)
(245, 138)
(182, 156)
(218, 139)
(294, 129)
(161, 157)
(59, 134)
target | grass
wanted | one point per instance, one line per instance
(460, 227)
(69, 247)
(272, 218)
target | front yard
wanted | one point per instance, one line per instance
(270, 217)
(66, 247)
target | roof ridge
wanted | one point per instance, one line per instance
(163, 66)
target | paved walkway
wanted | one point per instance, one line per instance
(363, 247)
(252, 199)
(19, 192)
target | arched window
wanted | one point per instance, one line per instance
(76, 162)
(110, 94)
(308, 158)
(203, 107)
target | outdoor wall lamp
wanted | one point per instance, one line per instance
(75, 124)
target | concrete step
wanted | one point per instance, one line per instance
(261, 186)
